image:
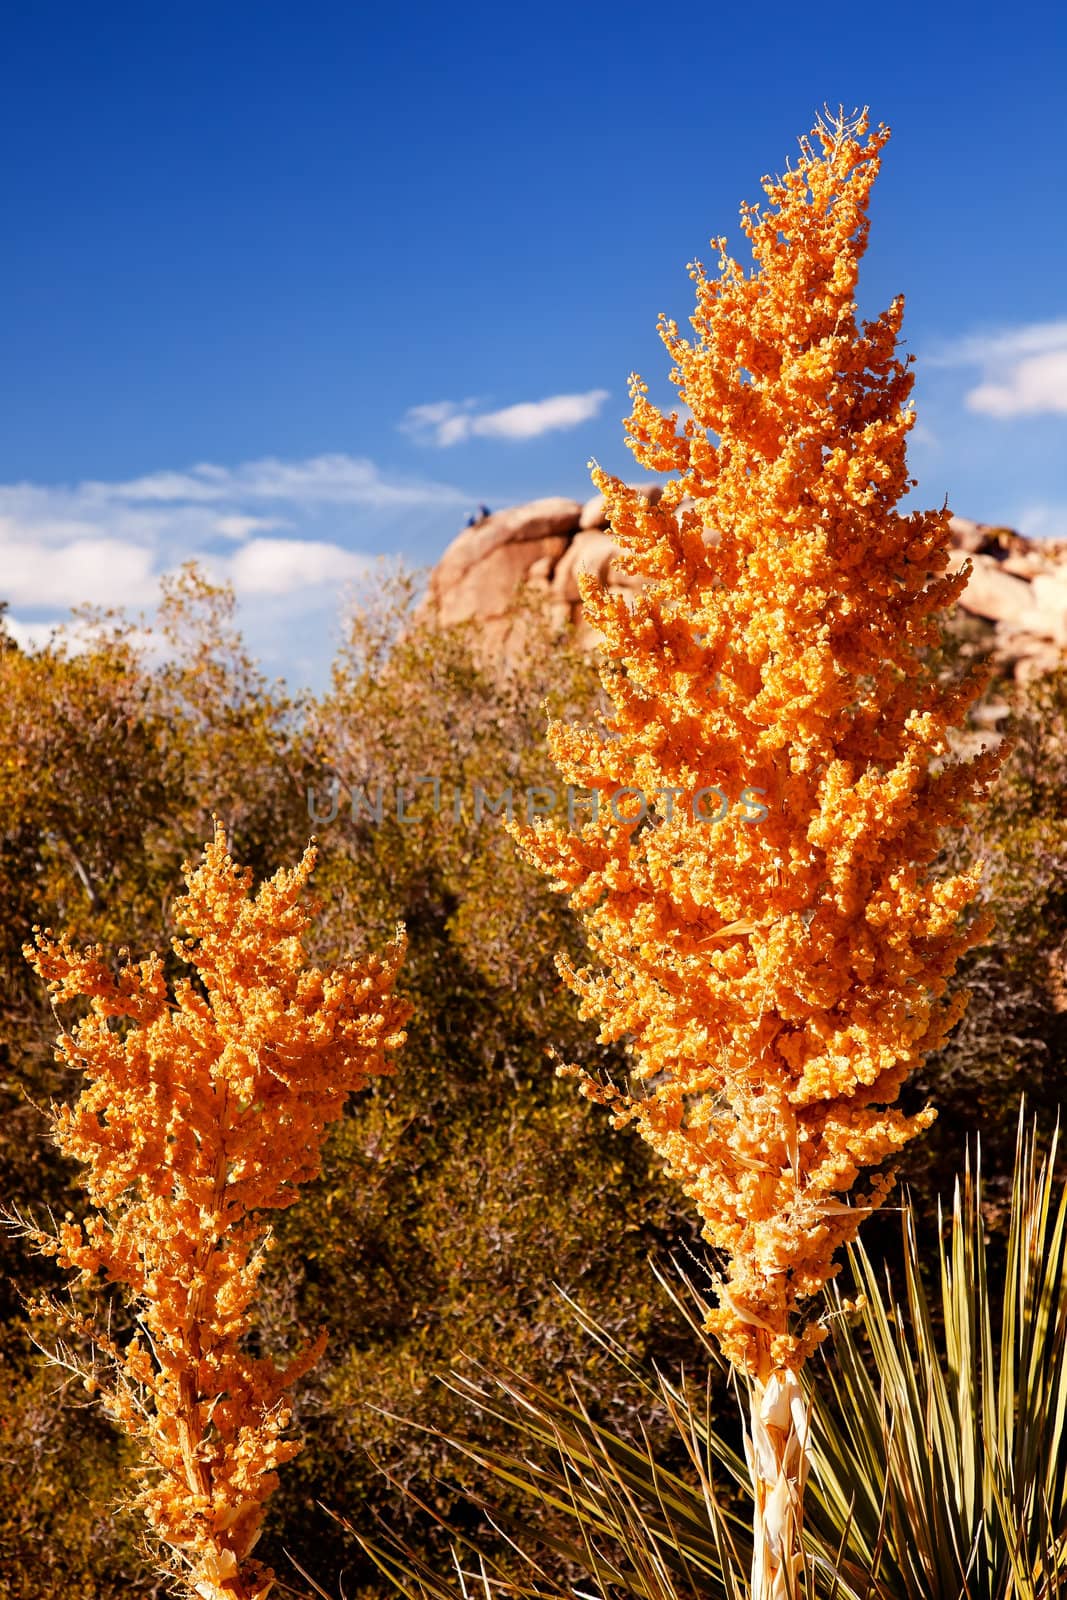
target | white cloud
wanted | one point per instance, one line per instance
(32, 635)
(976, 349)
(319, 480)
(448, 422)
(237, 527)
(444, 415)
(75, 635)
(107, 543)
(84, 571)
(1024, 369)
(276, 566)
(282, 531)
(535, 417)
(1037, 384)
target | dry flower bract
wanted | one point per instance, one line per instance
(779, 973)
(204, 1111)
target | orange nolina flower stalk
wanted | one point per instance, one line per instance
(782, 972)
(203, 1113)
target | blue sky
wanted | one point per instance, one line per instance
(289, 286)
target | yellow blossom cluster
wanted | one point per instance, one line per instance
(205, 1110)
(778, 977)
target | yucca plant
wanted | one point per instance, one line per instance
(778, 975)
(938, 1472)
(950, 1465)
(204, 1111)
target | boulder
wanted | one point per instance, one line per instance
(539, 574)
(1016, 585)
(553, 517)
(1048, 616)
(991, 592)
(594, 513)
(986, 538)
(498, 638)
(592, 550)
(586, 637)
(487, 588)
(1037, 665)
(1030, 565)
(966, 535)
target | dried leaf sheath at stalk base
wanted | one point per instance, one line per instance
(779, 972)
(203, 1112)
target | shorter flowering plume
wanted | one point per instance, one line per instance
(205, 1110)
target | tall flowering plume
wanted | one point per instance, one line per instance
(779, 973)
(203, 1113)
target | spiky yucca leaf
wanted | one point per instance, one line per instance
(635, 1526)
(951, 1462)
(939, 1469)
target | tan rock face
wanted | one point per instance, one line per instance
(594, 513)
(553, 517)
(966, 535)
(991, 593)
(1048, 593)
(594, 551)
(1031, 565)
(487, 587)
(1017, 586)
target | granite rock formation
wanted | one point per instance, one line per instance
(1017, 590)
